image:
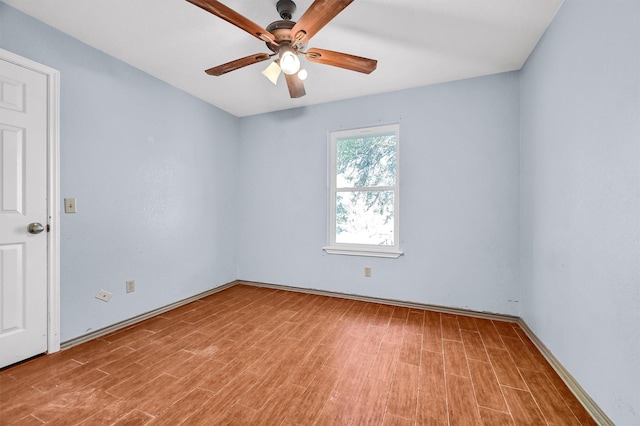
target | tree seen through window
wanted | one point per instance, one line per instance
(365, 188)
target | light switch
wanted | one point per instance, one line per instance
(69, 205)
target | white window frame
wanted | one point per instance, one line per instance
(363, 249)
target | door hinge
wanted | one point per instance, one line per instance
(48, 227)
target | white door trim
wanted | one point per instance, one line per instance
(53, 192)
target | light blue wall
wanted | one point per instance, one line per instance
(459, 150)
(153, 171)
(580, 118)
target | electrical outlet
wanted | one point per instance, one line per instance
(367, 271)
(104, 295)
(131, 286)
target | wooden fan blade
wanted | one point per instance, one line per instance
(233, 17)
(238, 63)
(317, 16)
(296, 86)
(342, 60)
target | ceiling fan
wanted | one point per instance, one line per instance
(287, 40)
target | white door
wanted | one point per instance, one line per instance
(23, 203)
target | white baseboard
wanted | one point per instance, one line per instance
(126, 323)
(392, 302)
(583, 397)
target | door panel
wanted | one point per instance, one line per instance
(23, 200)
(13, 287)
(11, 158)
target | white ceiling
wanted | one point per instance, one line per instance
(416, 43)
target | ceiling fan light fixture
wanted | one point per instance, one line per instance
(303, 74)
(289, 61)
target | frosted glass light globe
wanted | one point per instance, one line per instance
(289, 62)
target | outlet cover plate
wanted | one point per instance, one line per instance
(104, 295)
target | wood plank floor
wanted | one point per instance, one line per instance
(260, 356)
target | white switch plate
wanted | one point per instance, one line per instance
(69, 205)
(131, 286)
(367, 271)
(104, 295)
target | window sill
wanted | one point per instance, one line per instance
(360, 251)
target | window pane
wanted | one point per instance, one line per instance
(364, 217)
(366, 161)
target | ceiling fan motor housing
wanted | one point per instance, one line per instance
(281, 30)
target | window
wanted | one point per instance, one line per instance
(364, 192)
